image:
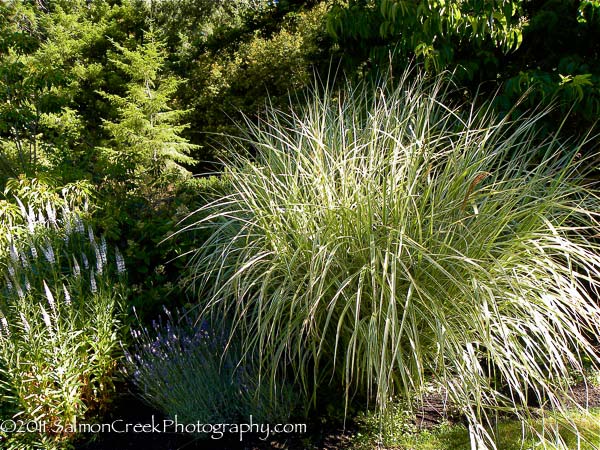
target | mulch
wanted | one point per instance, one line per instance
(436, 407)
(586, 396)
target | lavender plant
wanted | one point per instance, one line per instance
(59, 323)
(183, 369)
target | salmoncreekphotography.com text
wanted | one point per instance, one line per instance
(119, 426)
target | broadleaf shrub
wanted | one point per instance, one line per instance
(245, 67)
(549, 48)
(382, 238)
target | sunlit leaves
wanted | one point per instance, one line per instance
(383, 239)
(146, 138)
(429, 28)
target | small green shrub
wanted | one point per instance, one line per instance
(181, 368)
(142, 222)
(383, 238)
(60, 325)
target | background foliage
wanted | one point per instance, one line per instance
(547, 47)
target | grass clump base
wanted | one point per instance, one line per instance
(397, 432)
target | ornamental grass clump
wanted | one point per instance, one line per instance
(384, 239)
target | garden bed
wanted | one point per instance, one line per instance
(129, 409)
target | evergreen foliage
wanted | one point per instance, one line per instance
(145, 139)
